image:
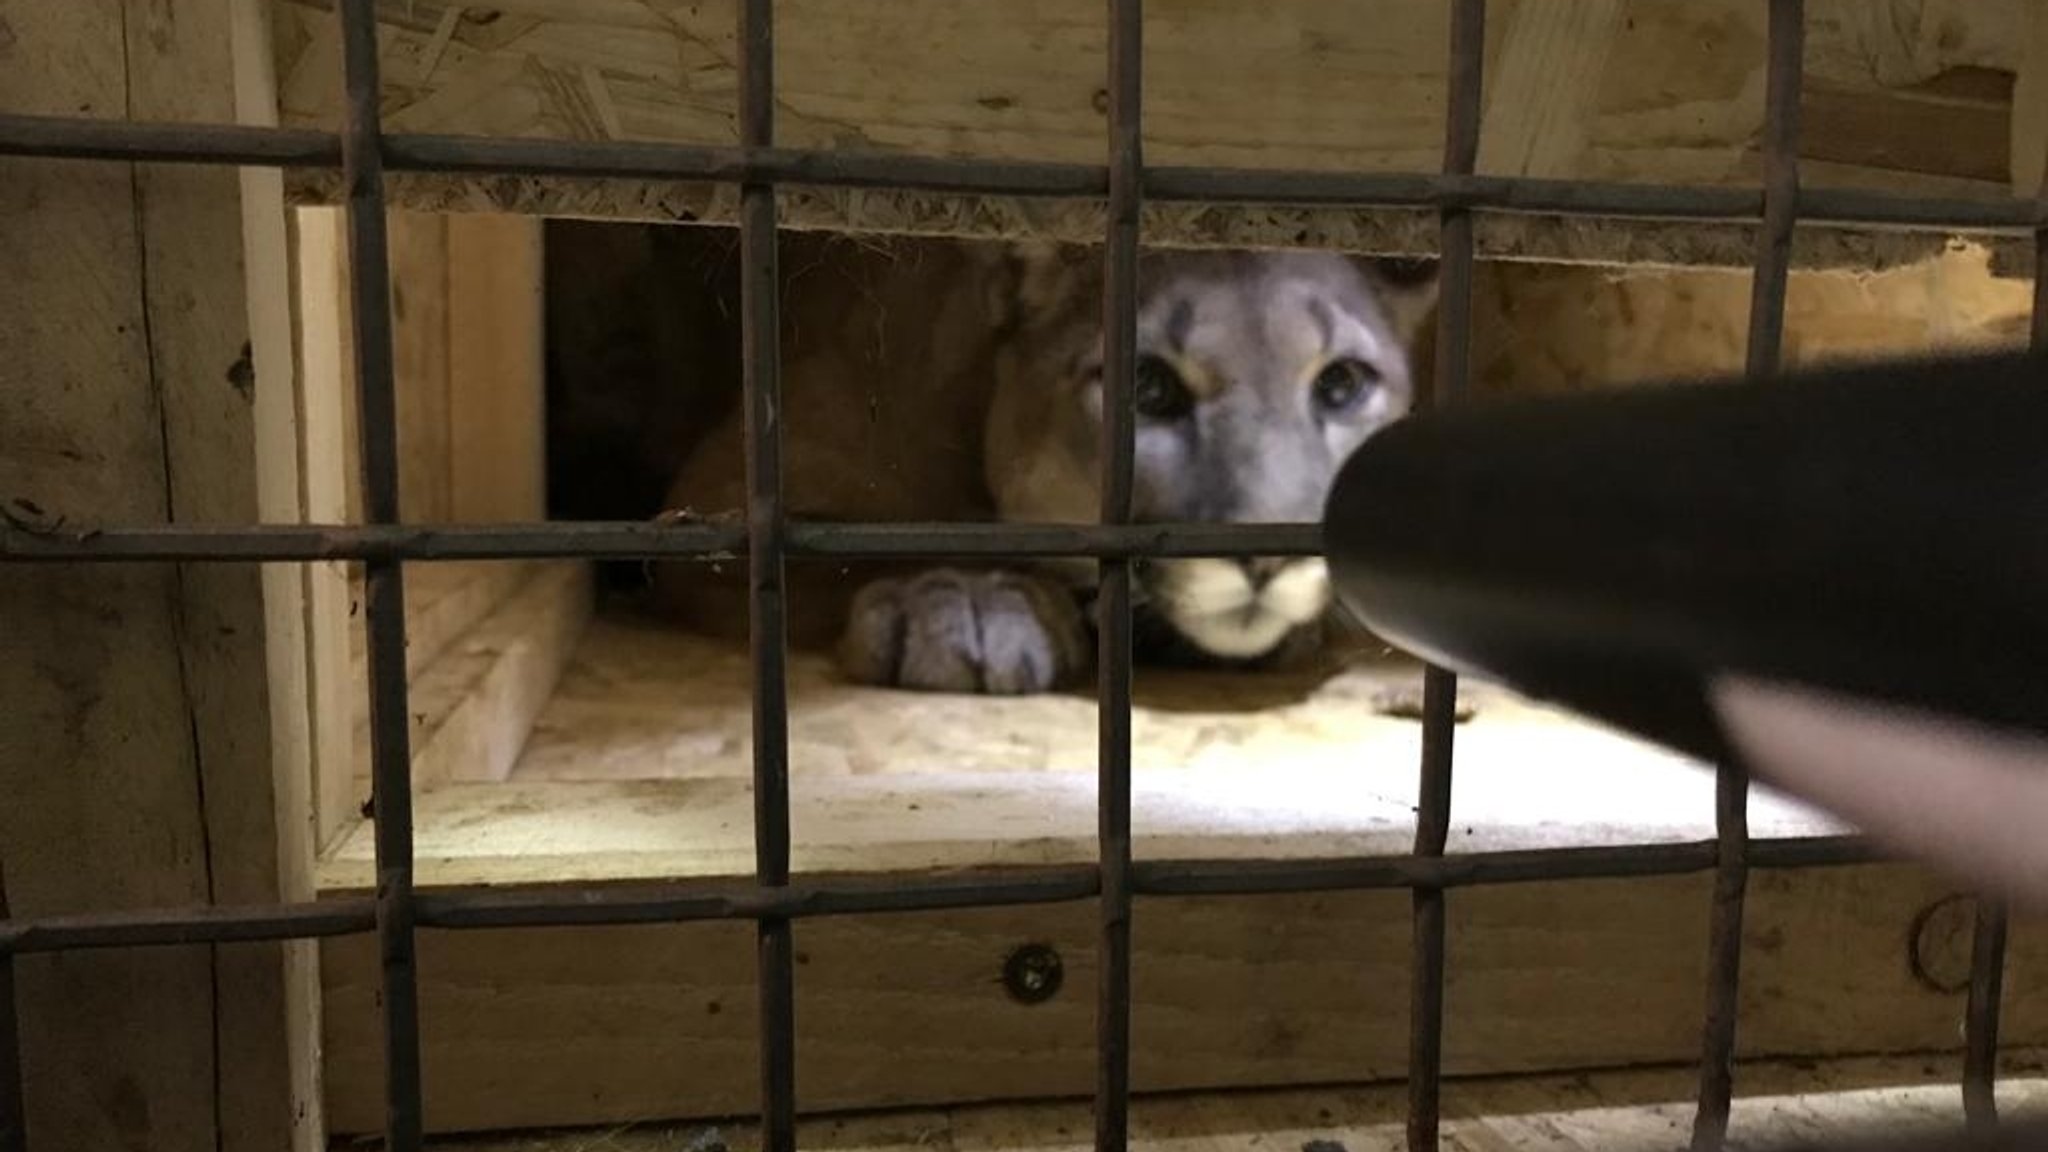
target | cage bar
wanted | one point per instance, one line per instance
(364, 153)
(637, 540)
(760, 354)
(1113, 603)
(1980, 1025)
(70, 138)
(1988, 940)
(13, 1105)
(1465, 81)
(369, 291)
(1787, 41)
(680, 901)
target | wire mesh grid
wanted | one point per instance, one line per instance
(776, 899)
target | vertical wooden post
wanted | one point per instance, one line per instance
(155, 752)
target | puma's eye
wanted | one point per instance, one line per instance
(1158, 392)
(1343, 383)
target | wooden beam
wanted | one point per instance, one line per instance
(500, 639)
(1543, 87)
(496, 369)
(336, 686)
(149, 709)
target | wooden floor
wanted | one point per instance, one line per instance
(639, 765)
(1621, 1112)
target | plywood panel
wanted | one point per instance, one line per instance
(1298, 84)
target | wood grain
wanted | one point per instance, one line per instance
(909, 1010)
(139, 753)
(1605, 1110)
(1297, 84)
(496, 369)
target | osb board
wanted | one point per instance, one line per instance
(592, 1026)
(1635, 1111)
(640, 767)
(1676, 95)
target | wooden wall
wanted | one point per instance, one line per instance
(1900, 94)
(146, 375)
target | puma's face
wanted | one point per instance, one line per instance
(1257, 376)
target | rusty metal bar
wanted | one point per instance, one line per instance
(85, 139)
(653, 902)
(636, 540)
(1120, 291)
(13, 1104)
(1484, 869)
(542, 906)
(1988, 941)
(761, 356)
(1731, 785)
(79, 138)
(384, 583)
(1465, 83)
(206, 924)
(1981, 1020)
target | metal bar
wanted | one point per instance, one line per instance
(662, 903)
(760, 350)
(85, 139)
(206, 924)
(1482, 869)
(1987, 949)
(634, 540)
(1731, 786)
(1465, 82)
(763, 164)
(1113, 604)
(384, 584)
(13, 1103)
(1980, 1025)
(561, 905)
(79, 138)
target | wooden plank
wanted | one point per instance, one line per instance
(1782, 1102)
(909, 1010)
(497, 373)
(1544, 86)
(212, 248)
(474, 706)
(91, 672)
(1956, 126)
(291, 602)
(138, 757)
(419, 308)
(337, 687)
(442, 602)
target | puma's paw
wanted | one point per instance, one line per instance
(999, 633)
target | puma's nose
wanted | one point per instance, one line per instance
(1260, 570)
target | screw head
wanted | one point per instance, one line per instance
(1033, 973)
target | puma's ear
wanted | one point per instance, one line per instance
(1408, 289)
(1043, 276)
